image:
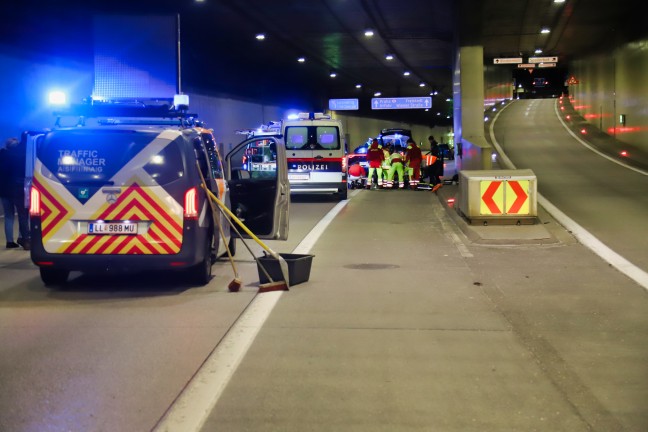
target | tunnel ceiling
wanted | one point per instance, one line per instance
(222, 56)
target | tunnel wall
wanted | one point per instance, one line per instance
(611, 85)
(498, 84)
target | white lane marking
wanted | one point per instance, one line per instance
(597, 246)
(584, 236)
(451, 231)
(193, 406)
(595, 150)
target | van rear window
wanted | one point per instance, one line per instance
(312, 138)
(94, 157)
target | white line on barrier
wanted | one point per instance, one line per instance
(192, 407)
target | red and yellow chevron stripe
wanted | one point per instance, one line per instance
(54, 211)
(164, 234)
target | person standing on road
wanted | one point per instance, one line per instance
(386, 164)
(396, 160)
(413, 157)
(375, 158)
(12, 179)
(435, 170)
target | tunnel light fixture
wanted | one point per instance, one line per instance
(545, 30)
(537, 51)
(301, 59)
(389, 57)
(421, 84)
(333, 74)
(407, 73)
(260, 36)
(377, 94)
(368, 33)
(358, 85)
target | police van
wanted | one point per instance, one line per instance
(120, 192)
(316, 155)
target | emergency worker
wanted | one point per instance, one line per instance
(436, 169)
(413, 158)
(375, 158)
(396, 160)
(386, 162)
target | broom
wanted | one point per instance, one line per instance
(274, 286)
(235, 284)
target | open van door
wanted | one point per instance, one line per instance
(257, 174)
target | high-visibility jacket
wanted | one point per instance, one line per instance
(375, 156)
(428, 160)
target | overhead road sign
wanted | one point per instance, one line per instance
(546, 65)
(543, 59)
(526, 65)
(343, 104)
(401, 103)
(507, 60)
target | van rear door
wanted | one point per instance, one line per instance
(315, 154)
(257, 174)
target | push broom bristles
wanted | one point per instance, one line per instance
(273, 286)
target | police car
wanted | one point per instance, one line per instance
(316, 154)
(120, 192)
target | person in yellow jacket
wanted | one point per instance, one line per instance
(396, 159)
(386, 162)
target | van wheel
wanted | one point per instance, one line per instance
(53, 276)
(200, 274)
(343, 194)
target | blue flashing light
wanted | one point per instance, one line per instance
(57, 97)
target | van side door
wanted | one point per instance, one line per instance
(257, 174)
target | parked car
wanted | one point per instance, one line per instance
(359, 155)
(446, 151)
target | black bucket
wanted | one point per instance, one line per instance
(299, 267)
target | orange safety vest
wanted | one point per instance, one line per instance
(429, 159)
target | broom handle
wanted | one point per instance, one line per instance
(247, 246)
(241, 224)
(217, 220)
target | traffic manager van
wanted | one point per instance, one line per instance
(120, 192)
(316, 155)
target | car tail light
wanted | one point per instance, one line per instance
(34, 202)
(191, 204)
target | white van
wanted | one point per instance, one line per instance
(315, 152)
(123, 193)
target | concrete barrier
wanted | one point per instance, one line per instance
(498, 196)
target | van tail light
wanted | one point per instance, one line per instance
(34, 202)
(191, 204)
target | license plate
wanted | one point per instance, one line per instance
(112, 228)
(298, 176)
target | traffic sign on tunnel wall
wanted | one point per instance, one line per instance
(499, 197)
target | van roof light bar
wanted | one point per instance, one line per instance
(313, 116)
